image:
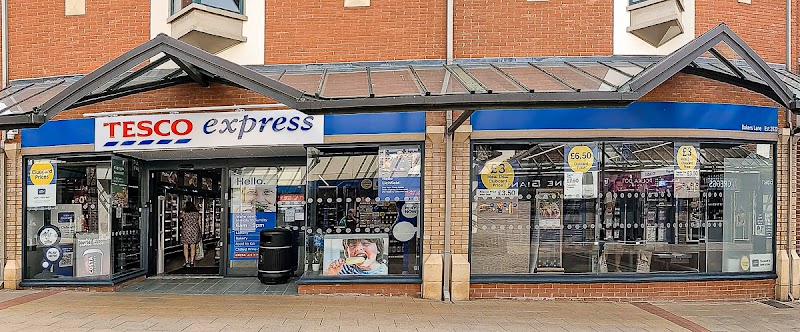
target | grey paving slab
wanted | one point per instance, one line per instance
(137, 311)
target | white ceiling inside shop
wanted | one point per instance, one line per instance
(219, 153)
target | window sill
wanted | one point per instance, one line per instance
(60, 282)
(217, 11)
(402, 279)
(623, 278)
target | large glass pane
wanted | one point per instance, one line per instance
(534, 79)
(309, 83)
(439, 81)
(363, 211)
(534, 208)
(609, 75)
(68, 218)
(663, 207)
(494, 79)
(738, 192)
(575, 78)
(394, 83)
(346, 84)
(126, 216)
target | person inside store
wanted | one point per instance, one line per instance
(362, 256)
(349, 220)
(190, 231)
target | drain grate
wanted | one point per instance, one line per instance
(777, 304)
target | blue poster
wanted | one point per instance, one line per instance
(399, 173)
(253, 209)
(245, 230)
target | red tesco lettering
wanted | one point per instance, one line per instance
(146, 128)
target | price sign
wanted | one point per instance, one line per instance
(497, 175)
(580, 159)
(686, 157)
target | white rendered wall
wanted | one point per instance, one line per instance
(627, 44)
(250, 52)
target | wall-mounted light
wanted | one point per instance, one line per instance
(10, 134)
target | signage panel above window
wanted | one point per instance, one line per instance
(207, 130)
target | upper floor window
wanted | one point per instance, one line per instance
(236, 6)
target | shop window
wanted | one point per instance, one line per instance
(364, 211)
(622, 207)
(263, 198)
(82, 217)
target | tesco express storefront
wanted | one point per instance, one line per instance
(109, 209)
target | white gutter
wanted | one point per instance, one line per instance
(3, 84)
(448, 201)
(448, 138)
(4, 49)
(790, 234)
(789, 35)
(450, 31)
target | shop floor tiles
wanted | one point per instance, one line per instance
(217, 285)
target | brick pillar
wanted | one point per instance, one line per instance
(435, 200)
(13, 186)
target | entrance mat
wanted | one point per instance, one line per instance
(197, 270)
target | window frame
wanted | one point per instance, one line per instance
(173, 11)
(415, 278)
(112, 278)
(623, 277)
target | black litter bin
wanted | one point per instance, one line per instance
(276, 256)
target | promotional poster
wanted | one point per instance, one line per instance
(580, 171)
(41, 184)
(92, 255)
(356, 254)
(253, 209)
(687, 170)
(399, 172)
(498, 179)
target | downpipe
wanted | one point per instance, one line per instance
(448, 192)
(4, 47)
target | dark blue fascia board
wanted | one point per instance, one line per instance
(59, 132)
(616, 278)
(375, 123)
(637, 115)
(318, 280)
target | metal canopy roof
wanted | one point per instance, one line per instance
(468, 84)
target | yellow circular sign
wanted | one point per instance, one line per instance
(497, 175)
(42, 173)
(686, 157)
(580, 159)
(745, 263)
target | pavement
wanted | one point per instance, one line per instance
(66, 311)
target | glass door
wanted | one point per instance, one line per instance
(261, 198)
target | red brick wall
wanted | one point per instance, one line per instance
(508, 28)
(325, 31)
(691, 88)
(45, 42)
(186, 95)
(761, 24)
(649, 291)
(413, 290)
